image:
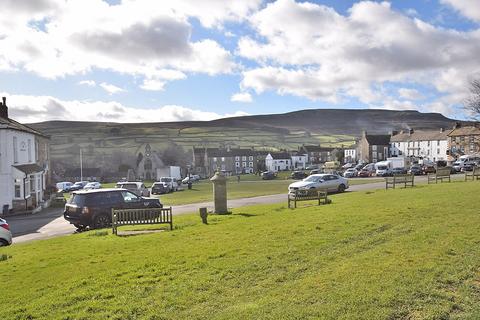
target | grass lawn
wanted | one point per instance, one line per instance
(396, 254)
(249, 186)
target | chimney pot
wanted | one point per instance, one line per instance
(4, 108)
(410, 132)
(442, 129)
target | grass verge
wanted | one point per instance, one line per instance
(396, 254)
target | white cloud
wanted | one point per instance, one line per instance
(55, 38)
(153, 85)
(28, 109)
(110, 88)
(410, 94)
(89, 83)
(468, 8)
(241, 97)
(311, 51)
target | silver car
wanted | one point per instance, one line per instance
(325, 181)
(136, 187)
(5, 234)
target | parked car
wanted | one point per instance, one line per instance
(64, 186)
(160, 188)
(458, 165)
(383, 169)
(170, 182)
(79, 185)
(92, 185)
(268, 175)
(136, 187)
(191, 178)
(364, 173)
(468, 166)
(93, 208)
(416, 170)
(429, 168)
(5, 234)
(298, 175)
(311, 167)
(350, 173)
(399, 171)
(316, 171)
(326, 181)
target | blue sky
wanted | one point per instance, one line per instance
(144, 60)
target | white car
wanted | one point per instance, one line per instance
(325, 181)
(64, 186)
(350, 173)
(5, 234)
(92, 185)
(136, 187)
(170, 182)
(191, 178)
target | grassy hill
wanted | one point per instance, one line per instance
(103, 142)
(396, 254)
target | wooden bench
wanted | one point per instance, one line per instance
(440, 174)
(473, 175)
(124, 217)
(407, 180)
(304, 195)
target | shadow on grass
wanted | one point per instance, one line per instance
(246, 215)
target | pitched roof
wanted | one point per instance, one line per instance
(280, 155)
(465, 131)
(7, 123)
(419, 135)
(378, 139)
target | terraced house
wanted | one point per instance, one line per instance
(464, 140)
(24, 165)
(431, 145)
(231, 161)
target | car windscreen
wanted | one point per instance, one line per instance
(77, 199)
(129, 186)
(382, 167)
(313, 179)
(165, 180)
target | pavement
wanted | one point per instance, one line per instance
(50, 222)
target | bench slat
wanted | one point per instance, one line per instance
(122, 217)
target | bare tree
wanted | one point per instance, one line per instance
(472, 103)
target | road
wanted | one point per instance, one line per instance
(50, 223)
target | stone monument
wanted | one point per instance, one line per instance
(220, 193)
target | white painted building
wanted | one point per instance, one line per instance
(22, 179)
(431, 145)
(299, 160)
(350, 155)
(280, 161)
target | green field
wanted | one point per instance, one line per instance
(249, 186)
(396, 254)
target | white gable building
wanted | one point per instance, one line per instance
(429, 145)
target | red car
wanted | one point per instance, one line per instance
(365, 173)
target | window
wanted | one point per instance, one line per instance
(29, 150)
(438, 151)
(250, 164)
(237, 164)
(438, 142)
(237, 158)
(462, 138)
(250, 158)
(223, 159)
(32, 184)
(214, 159)
(472, 139)
(244, 158)
(374, 148)
(18, 190)
(428, 143)
(244, 164)
(15, 150)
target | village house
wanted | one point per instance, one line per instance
(350, 154)
(317, 154)
(463, 140)
(373, 148)
(24, 165)
(278, 161)
(299, 160)
(429, 145)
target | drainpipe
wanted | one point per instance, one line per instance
(24, 192)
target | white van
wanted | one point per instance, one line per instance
(64, 186)
(383, 168)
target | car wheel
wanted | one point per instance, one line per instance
(341, 188)
(3, 243)
(101, 221)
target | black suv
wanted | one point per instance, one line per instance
(93, 208)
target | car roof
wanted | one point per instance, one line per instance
(321, 174)
(132, 182)
(99, 190)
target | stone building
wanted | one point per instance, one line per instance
(463, 140)
(148, 163)
(373, 148)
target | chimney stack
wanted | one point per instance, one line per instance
(4, 108)
(442, 129)
(457, 125)
(410, 132)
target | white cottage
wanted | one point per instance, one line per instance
(278, 161)
(23, 174)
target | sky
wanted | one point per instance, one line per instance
(156, 61)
